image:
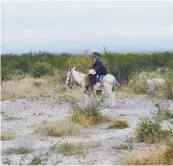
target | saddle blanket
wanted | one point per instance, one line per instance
(87, 81)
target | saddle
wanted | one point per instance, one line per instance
(86, 79)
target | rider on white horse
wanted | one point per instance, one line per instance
(97, 71)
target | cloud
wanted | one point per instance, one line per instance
(23, 21)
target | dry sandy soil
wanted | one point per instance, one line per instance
(100, 144)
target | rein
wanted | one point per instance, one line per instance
(71, 75)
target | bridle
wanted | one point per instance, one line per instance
(69, 78)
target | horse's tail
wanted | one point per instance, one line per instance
(113, 89)
(113, 86)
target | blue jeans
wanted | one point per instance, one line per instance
(91, 80)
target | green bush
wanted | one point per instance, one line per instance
(21, 150)
(17, 74)
(41, 69)
(168, 91)
(139, 82)
(148, 131)
(89, 115)
(5, 74)
(70, 149)
(120, 65)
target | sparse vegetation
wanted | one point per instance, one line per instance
(58, 129)
(89, 115)
(168, 89)
(35, 161)
(155, 156)
(66, 99)
(123, 147)
(37, 83)
(163, 112)
(7, 117)
(119, 124)
(69, 149)
(148, 131)
(21, 150)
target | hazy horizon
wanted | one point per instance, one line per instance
(73, 27)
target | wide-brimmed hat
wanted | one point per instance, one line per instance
(96, 52)
(92, 71)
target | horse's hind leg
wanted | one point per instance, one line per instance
(110, 96)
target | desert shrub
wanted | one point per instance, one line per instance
(35, 161)
(139, 82)
(38, 83)
(40, 69)
(5, 136)
(119, 124)
(120, 65)
(155, 156)
(88, 115)
(62, 75)
(5, 74)
(81, 63)
(68, 149)
(163, 112)
(148, 131)
(168, 89)
(21, 150)
(17, 74)
(57, 129)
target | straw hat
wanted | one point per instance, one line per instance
(96, 52)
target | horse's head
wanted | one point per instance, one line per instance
(70, 79)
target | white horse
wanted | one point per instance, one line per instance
(109, 82)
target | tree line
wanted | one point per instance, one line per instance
(122, 66)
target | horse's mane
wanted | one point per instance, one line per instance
(80, 73)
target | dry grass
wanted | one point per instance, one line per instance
(125, 92)
(119, 124)
(66, 99)
(156, 156)
(58, 129)
(27, 87)
(31, 87)
(5, 136)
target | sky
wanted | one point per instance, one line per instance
(75, 26)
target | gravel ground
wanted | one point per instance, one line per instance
(19, 117)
